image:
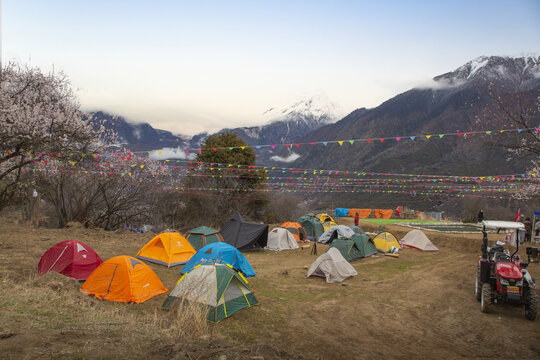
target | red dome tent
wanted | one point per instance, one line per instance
(71, 258)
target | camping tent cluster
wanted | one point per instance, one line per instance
(215, 271)
(347, 244)
(214, 266)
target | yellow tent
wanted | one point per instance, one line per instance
(169, 249)
(326, 220)
(385, 241)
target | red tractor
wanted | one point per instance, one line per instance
(502, 278)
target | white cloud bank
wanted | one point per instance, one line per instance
(287, 159)
(169, 153)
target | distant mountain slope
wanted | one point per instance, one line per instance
(139, 136)
(452, 104)
(282, 125)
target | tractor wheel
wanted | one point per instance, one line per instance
(531, 307)
(485, 299)
(478, 286)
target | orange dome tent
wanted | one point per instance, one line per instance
(123, 279)
(296, 230)
(169, 249)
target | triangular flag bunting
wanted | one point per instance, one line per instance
(340, 143)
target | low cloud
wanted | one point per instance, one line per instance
(287, 159)
(440, 84)
(169, 153)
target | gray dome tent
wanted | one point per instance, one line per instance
(336, 232)
(245, 236)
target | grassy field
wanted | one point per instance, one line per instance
(423, 302)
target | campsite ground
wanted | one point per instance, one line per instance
(420, 305)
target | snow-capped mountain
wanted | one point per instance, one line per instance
(288, 123)
(523, 70)
(317, 108)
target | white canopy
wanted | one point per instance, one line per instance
(496, 224)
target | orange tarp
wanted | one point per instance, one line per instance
(385, 214)
(362, 213)
(123, 279)
(169, 249)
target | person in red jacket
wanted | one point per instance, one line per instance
(356, 218)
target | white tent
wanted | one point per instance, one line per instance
(281, 239)
(336, 232)
(418, 240)
(332, 266)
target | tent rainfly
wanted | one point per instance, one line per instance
(326, 220)
(331, 266)
(385, 241)
(223, 290)
(281, 239)
(123, 279)
(336, 232)
(169, 249)
(312, 226)
(296, 230)
(245, 236)
(71, 258)
(220, 253)
(416, 239)
(357, 230)
(202, 236)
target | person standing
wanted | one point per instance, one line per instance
(481, 215)
(356, 218)
(528, 229)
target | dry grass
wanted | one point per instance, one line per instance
(426, 299)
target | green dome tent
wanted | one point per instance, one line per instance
(312, 225)
(357, 247)
(217, 286)
(364, 244)
(347, 248)
(202, 236)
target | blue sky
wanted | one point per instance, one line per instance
(189, 66)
